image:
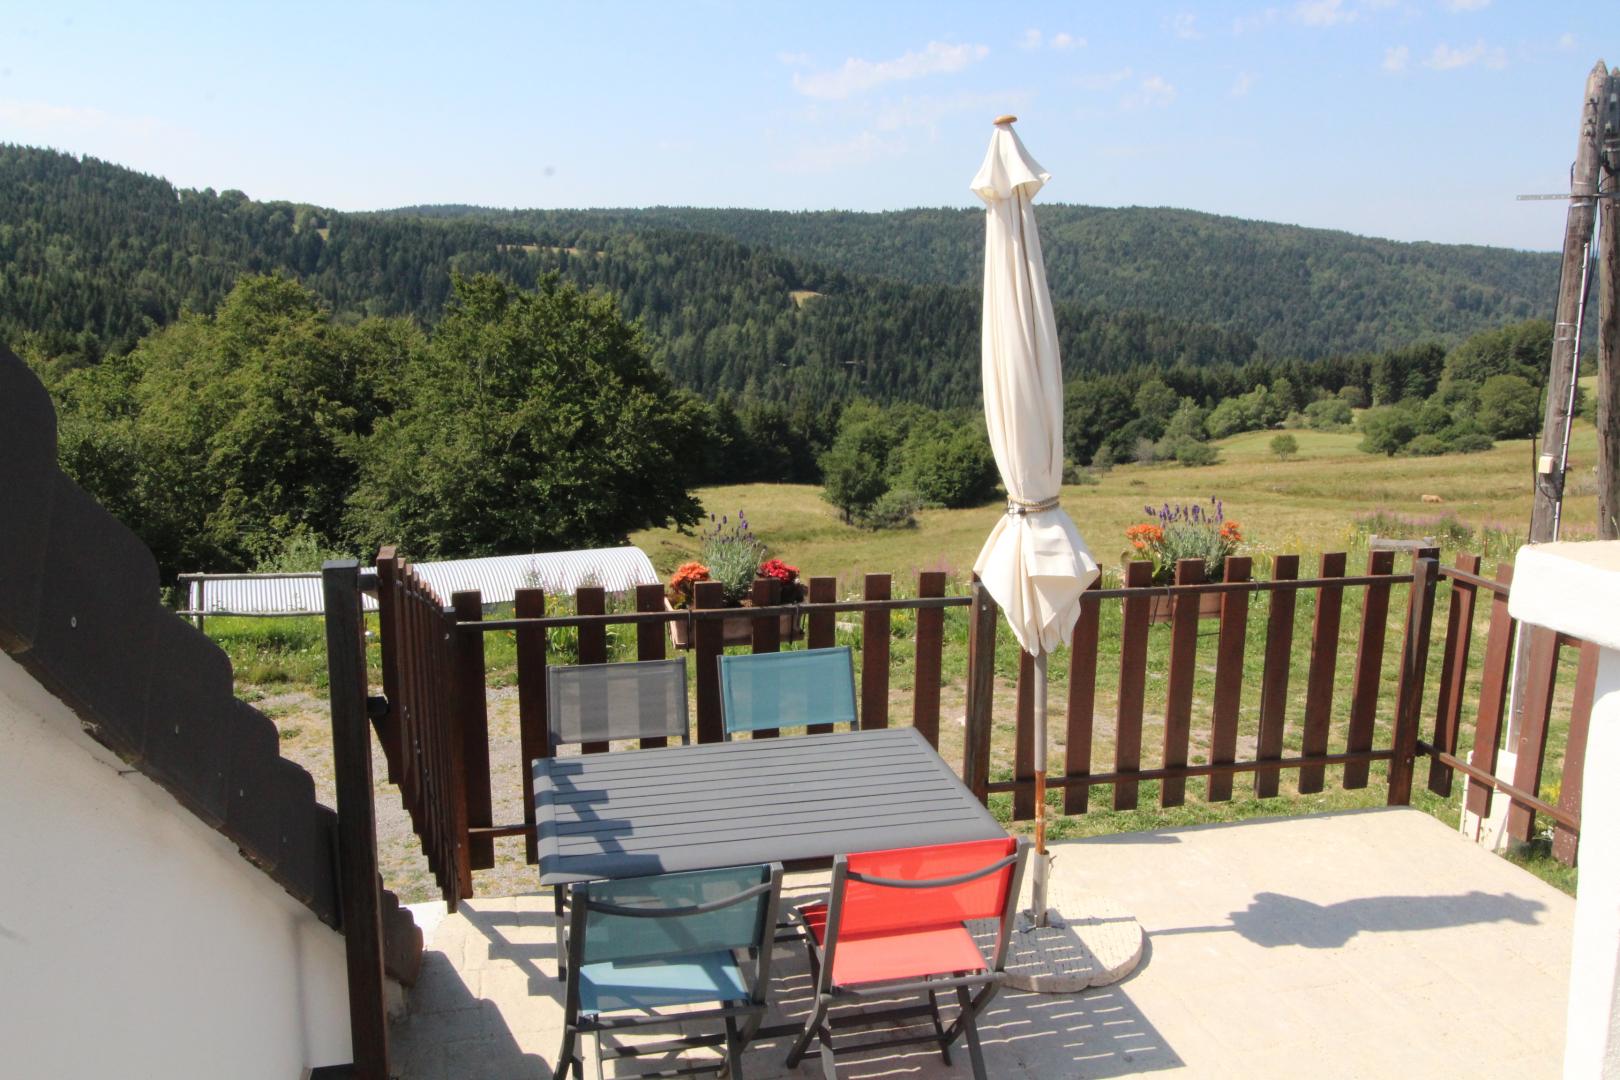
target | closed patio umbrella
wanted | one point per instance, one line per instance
(1034, 563)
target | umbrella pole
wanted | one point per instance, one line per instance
(1042, 864)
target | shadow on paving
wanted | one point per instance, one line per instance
(453, 1032)
(1273, 920)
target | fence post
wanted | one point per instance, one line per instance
(1082, 702)
(981, 686)
(1368, 677)
(821, 628)
(1319, 675)
(875, 656)
(1179, 685)
(765, 632)
(1565, 839)
(650, 638)
(1414, 666)
(1133, 650)
(708, 642)
(534, 731)
(1024, 739)
(360, 898)
(930, 639)
(467, 649)
(1223, 721)
(1453, 674)
(1274, 676)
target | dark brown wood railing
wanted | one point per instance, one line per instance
(1236, 590)
(424, 728)
(1541, 653)
(433, 670)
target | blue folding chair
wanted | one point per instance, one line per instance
(761, 691)
(639, 945)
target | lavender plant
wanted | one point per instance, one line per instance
(732, 553)
(1185, 531)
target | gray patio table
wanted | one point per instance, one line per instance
(798, 801)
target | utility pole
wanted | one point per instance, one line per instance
(1572, 282)
(1608, 380)
(1583, 189)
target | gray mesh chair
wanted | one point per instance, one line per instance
(597, 703)
(642, 699)
(759, 691)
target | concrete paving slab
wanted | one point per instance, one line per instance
(1363, 944)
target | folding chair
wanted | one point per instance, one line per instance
(641, 699)
(643, 944)
(894, 925)
(589, 703)
(796, 688)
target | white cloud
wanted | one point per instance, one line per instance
(823, 157)
(1103, 80)
(794, 59)
(1247, 24)
(1183, 25)
(1566, 41)
(1396, 57)
(1062, 41)
(857, 76)
(1243, 83)
(1323, 13)
(1455, 6)
(42, 117)
(1446, 58)
(926, 111)
(1153, 92)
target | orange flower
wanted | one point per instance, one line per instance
(681, 582)
(1141, 536)
(1230, 531)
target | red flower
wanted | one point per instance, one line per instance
(779, 570)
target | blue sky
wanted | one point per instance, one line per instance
(1414, 120)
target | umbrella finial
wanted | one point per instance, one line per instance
(1005, 118)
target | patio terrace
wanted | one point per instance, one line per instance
(1363, 944)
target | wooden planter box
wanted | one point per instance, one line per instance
(738, 630)
(1209, 607)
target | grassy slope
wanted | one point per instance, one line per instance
(1305, 505)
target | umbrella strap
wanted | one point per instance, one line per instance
(1026, 506)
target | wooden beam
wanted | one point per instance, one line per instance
(1583, 185)
(1608, 283)
(357, 821)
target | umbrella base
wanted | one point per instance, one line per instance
(1094, 943)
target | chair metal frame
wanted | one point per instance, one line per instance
(743, 1019)
(829, 993)
(728, 711)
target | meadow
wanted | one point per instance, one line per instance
(1328, 497)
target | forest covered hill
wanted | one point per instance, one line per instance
(1298, 292)
(785, 307)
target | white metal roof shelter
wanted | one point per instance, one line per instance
(498, 577)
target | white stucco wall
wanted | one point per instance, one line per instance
(135, 941)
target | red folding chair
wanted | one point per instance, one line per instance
(894, 924)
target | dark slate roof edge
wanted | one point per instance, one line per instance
(144, 683)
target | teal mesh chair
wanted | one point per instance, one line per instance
(761, 691)
(640, 945)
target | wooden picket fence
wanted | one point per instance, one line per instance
(1541, 651)
(434, 730)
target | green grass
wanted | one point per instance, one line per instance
(1326, 499)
